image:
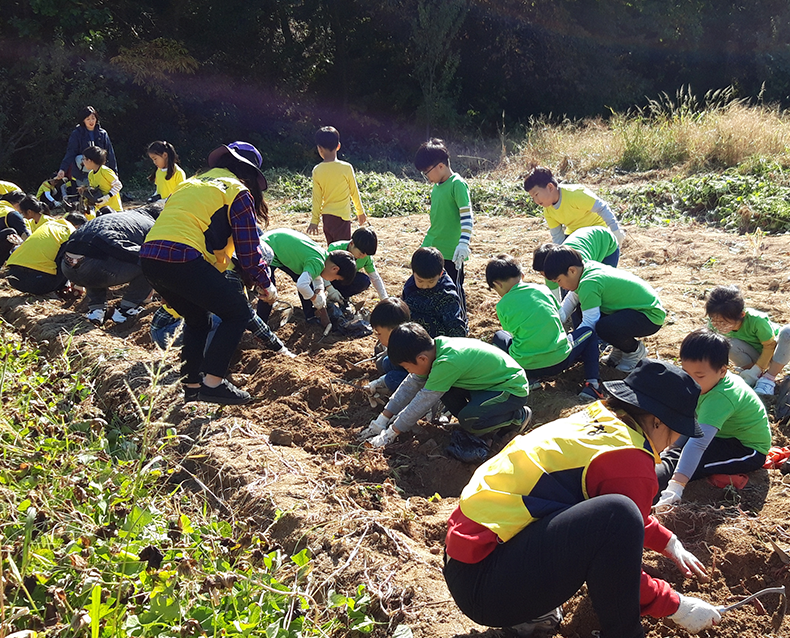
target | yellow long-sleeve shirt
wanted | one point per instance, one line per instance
(334, 188)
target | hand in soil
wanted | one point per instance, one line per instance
(685, 560)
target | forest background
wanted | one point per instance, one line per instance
(386, 73)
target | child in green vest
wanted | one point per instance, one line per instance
(482, 386)
(533, 334)
(618, 305)
(758, 346)
(736, 435)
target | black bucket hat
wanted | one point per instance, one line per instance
(243, 152)
(665, 391)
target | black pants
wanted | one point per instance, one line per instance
(97, 275)
(482, 411)
(457, 275)
(265, 309)
(33, 281)
(622, 327)
(360, 283)
(598, 541)
(722, 456)
(196, 289)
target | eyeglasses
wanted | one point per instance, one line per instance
(428, 171)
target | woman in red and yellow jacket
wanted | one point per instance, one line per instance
(569, 503)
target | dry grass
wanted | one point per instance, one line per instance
(673, 138)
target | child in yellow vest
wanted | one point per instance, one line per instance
(102, 177)
(168, 175)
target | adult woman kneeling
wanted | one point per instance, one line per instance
(189, 248)
(569, 503)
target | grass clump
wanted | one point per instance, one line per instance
(99, 539)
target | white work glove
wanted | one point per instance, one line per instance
(375, 385)
(268, 295)
(385, 438)
(461, 254)
(669, 497)
(102, 200)
(376, 427)
(319, 301)
(751, 375)
(695, 615)
(684, 559)
(332, 294)
(619, 235)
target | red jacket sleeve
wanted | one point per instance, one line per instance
(632, 473)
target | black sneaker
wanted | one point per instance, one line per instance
(224, 394)
(190, 394)
(525, 418)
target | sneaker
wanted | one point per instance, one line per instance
(120, 316)
(546, 622)
(612, 358)
(224, 394)
(765, 386)
(525, 419)
(190, 394)
(591, 393)
(630, 359)
(96, 316)
(535, 385)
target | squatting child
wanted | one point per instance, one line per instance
(334, 189)
(451, 211)
(432, 297)
(758, 346)
(363, 245)
(307, 264)
(478, 383)
(569, 207)
(102, 177)
(594, 243)
(533, 334)
(388, 314)
(619, 306)
(736, 435)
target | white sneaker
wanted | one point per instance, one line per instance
(96, 316)
(765, 386)
(612, 358)
(546, 622)
(630, 359)
(120, 316)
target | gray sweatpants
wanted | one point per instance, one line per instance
(745, 356)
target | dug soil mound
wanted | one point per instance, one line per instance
(290, 466)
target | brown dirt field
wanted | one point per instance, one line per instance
(366, 515)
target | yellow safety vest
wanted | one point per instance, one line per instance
(545, 470)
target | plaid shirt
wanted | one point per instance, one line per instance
(245, 240)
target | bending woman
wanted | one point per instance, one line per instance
(569, 503)
(189, 248)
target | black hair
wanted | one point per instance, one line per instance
(365, 240)
(346, 264)
(559, 260)
(539, 176)
(539, 256)
(705, 345)
(390, 313)
(327, 137)
(28, 202)
(85, 113)
(95, 154)
(427, 262)
(431, 153)
(407, 341)
(160, 148)
(726, 302)
(249, 176)
(502, 268)
(13, 197)
(76, 219)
